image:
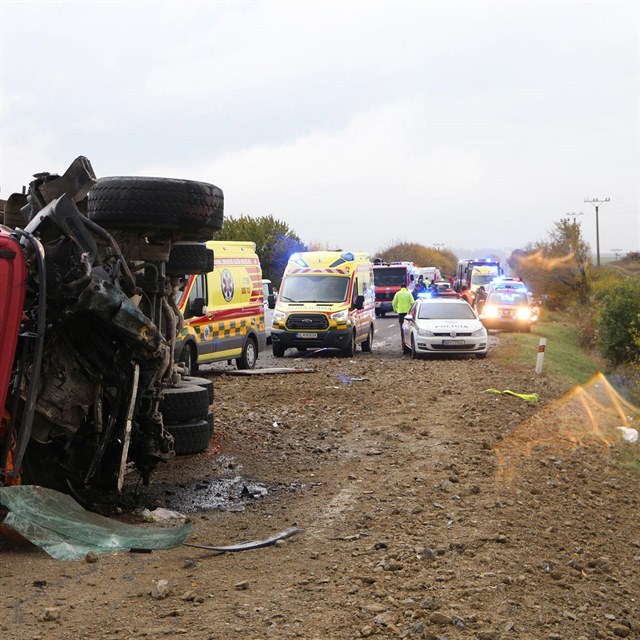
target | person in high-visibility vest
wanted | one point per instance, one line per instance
(402, 302)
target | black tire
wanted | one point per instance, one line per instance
(205, 383)
(133, 202)
(188, 258)
(191, 437)
(184, 403)
(377, 313)
(189, 356)
(350, 350)
(383, 314)
(278, 351)
(366, 345)
(414, 353)
(249, 355)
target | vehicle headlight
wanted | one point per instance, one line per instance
(279, 317)
(425, 333)
(523, 313)
(490, 311)
(340, 316)
(479, 332)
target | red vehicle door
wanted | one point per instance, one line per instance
(13, 272)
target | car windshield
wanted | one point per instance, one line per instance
(440, 311)
(389, 276)
(507, 297)
(310, 288)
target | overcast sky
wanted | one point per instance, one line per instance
(472, 124)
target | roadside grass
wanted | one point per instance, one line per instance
(563, 358)
(629, 458)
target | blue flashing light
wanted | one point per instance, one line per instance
(348, 256)
(297, 258)
(425, 296)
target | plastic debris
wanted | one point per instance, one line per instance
(56, 523)
(265, 372)
(160, 513)
(345, 379)
(255, 544)
(529, 397)
(629, 434)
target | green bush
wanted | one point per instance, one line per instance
(619, 322)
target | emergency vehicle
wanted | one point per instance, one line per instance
(476, 272)
(223, 309)
(428, 274)
(387, 277)
(326, 299)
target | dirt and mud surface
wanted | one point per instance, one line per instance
(423, 517)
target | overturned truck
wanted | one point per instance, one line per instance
(89, 389)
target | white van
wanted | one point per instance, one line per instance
(269, 306)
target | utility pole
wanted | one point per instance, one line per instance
(597, 202)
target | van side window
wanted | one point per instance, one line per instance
(356, 290)
(197, 297)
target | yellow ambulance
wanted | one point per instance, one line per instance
(223, 309)
(326, 299)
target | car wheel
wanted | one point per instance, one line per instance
(414, 353)
(383, 314)
(366, 345)
(133, 202)
(190, 358)
(191, 437)
(249, 355)
(350, 350)
(188, 258)
(278, 351)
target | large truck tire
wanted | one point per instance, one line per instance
(184, 403)
(205, 383)
(133, 202)
(192, 437)
(187, 258)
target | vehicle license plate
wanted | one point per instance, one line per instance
(506, 313)
(306, 335)
(453, 342)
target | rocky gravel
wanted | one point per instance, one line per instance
(413, 527)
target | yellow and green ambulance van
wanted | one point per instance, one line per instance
(223, 309)
(326, 299)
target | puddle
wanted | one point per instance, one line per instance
(224, 489)
(228, 494)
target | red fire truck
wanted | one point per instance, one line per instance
(388, 278)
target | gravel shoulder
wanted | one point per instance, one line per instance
(412, 528)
